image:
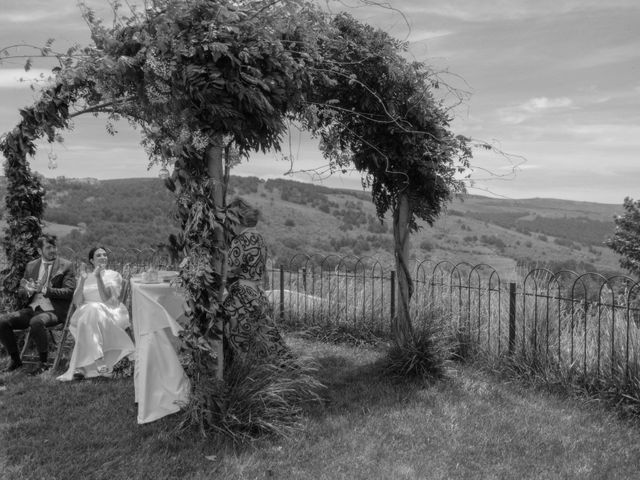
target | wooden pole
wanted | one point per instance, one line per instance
(215, 167)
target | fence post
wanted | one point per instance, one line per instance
(304, 279)
(281, 292)
(512, 317)
(393, 294)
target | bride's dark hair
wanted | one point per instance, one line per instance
(94, 250)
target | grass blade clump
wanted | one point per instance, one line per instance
(255, 399)
(427, 356)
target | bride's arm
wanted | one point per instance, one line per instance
(78, 296)
(109, 285)
(106, 293)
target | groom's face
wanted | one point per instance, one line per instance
(48, 252)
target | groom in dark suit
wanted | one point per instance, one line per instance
(45, 294)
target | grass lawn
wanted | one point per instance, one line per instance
(469, 426)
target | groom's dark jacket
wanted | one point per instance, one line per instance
(60, 287)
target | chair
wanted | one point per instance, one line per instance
(50, 330)
(27, 338)
(65, 333)
(125, 295)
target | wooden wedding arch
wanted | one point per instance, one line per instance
(205, 77)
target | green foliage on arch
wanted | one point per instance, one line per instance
(384, 119)
(25, 193)
(209, 76)
(197, 78)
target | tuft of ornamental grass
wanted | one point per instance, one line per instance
(255, 399)
(427, 356)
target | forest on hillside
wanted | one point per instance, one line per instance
(139, 212)
(302, 217)
(579, 229)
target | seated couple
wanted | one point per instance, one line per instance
(98, 324)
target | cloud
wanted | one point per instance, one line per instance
(533, 107)
(18, 78)
(28, 16)
(538, 104)
(496, 10)
(421, 36)
(616, 54)
(608, 136)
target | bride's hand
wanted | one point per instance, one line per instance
(82, 270)
(98, 270)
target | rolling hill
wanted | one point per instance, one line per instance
(300, 217)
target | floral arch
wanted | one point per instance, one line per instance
(201, 78)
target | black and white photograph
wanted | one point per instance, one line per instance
(319, 239)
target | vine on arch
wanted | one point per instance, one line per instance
(386, 121)
(194, 75)
(190, 75)
(25, 193)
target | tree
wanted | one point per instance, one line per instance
(382, 116)
(626, 239)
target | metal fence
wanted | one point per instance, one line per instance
(587, 324)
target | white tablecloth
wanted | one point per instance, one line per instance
(161, 385)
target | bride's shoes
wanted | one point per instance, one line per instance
(104, 371)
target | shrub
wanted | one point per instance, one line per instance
(292, 243)
(564, 242)
(376, 226)
(493, 240)
(362, 245)
(426, 245)
(255, 399)
(427, 357)
(289, 223)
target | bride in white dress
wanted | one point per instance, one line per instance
(99, 322)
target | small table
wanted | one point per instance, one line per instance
(161, 385)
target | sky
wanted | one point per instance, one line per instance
(552, 85)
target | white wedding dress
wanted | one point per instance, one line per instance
(99, 329)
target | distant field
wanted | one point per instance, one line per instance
(50, 227)
(58, 229)
(547, 207)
